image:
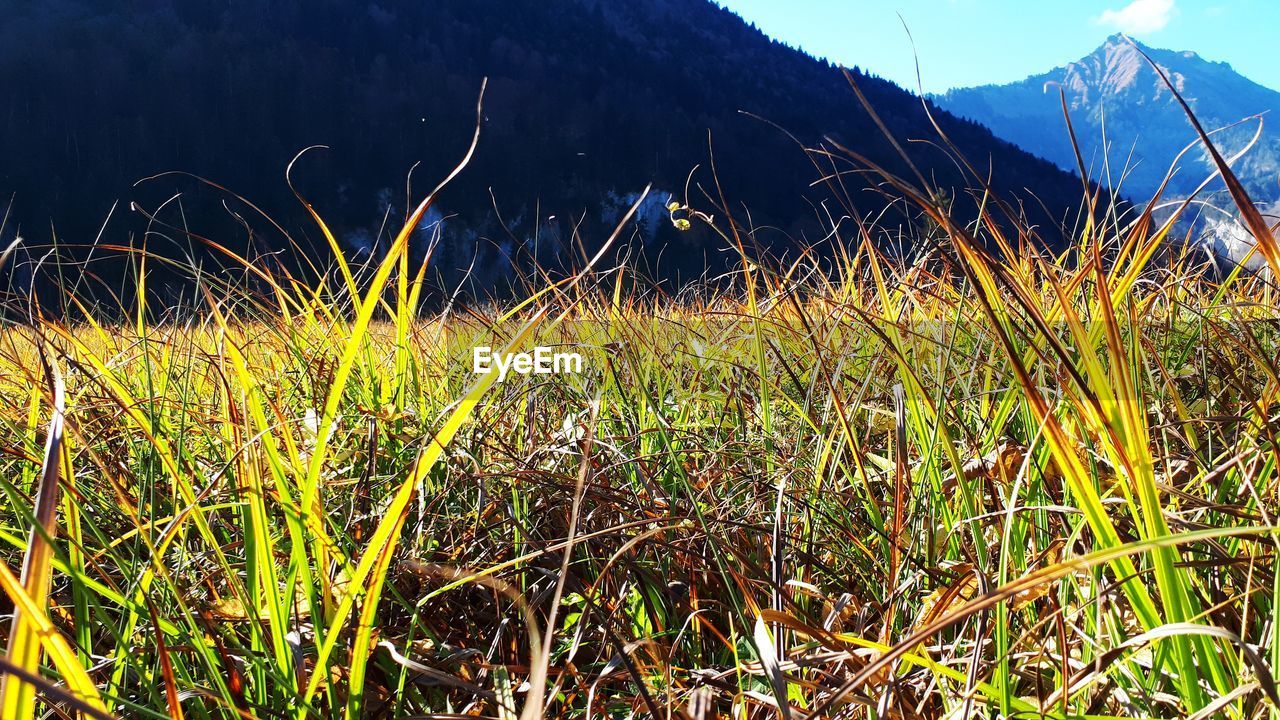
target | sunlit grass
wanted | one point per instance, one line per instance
(235, 535)
(956, 486)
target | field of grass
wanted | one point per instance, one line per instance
(955, 487)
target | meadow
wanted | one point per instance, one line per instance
(986, 481)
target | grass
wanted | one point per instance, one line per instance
(955, 486)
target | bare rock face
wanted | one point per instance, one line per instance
(1229, 240)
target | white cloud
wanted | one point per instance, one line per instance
(1139, 17)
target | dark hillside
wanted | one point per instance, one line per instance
(588, 101)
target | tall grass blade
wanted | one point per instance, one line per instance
(17, 698)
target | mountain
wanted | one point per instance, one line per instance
(588, 101)
(1116, 89)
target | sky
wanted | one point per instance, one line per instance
(975, 42)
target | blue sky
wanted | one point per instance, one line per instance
(973, 42)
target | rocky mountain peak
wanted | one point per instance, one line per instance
(1118, 101)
